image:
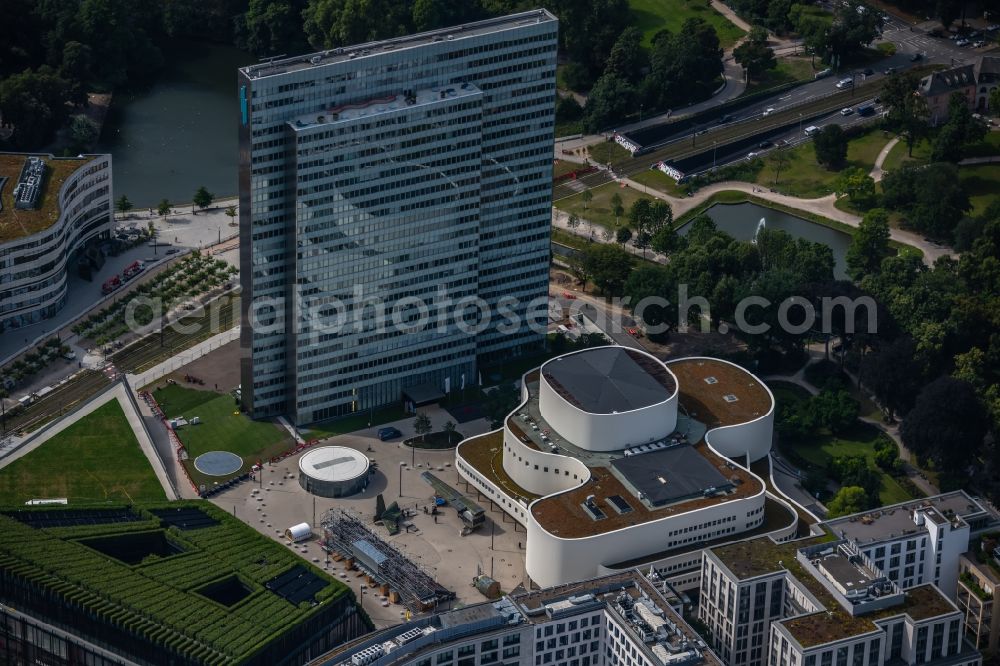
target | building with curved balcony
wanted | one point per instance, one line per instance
(615, 457)
(51, 208)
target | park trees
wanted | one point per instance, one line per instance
(857, 186)
(33, 102)
(163, 208)
(869, 244)
(623, 236)
(947, 425)
(203, 198)
(906, 111)
(123, 205)
(683, 66)
(611, 99)
(754, 54)
(958, 132)
(894, 376)
(647, 287)
(500, 401)
(931, 196)
(848, 500)
(608, 266)
(831, 146)
(627, 59)
(422, 425)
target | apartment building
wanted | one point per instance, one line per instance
(977, 587)
(821, 602)
(386, 190)
(622, 619)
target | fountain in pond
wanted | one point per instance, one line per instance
(760, 227)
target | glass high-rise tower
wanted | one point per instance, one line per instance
(394, 197)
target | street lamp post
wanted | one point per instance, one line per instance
(402, 464)
(800, 122)
(714, 147)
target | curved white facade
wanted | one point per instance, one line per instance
(614, 431)
(552, 559)
(34, 269)
(741, 441)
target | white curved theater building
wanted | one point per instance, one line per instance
(615, 458)
(51, 207)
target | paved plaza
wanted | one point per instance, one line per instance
(436, 546)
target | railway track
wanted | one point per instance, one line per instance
(217, 316)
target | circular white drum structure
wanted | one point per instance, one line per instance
(333, 471)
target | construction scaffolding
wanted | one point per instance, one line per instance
(348, 536)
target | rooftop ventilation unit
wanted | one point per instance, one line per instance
(711, 380)
(729, 397)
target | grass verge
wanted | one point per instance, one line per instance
(651, 16)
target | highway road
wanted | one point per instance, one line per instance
(818, 102)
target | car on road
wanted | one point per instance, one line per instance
(978, 44)
(917, 56)
(962, 42)
(172, 250)
(868, 71)
(889, 70)
(385, 434)
(812, 129)
(823, 73)
(765, 144)
(753, 155)
(725, 119)
(845, 83)
(768, 111)
(70, 356)
(846, 111)
(568, 296)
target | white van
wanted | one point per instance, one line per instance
(812, 129)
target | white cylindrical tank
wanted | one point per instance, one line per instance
(299, 532)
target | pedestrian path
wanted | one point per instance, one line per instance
(876, 173)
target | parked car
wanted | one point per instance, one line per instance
(385, 434)
(845, 83)
(823, 73)
(962, 42)
(70, 356)
(846, 111)
(768, 111)
(993, 26)
(978, 44)
(172, 250)
(869, 71)
(889, 70)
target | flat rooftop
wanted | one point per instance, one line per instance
(669, 475)
(843, 572)
(17, 223)
(762, 556)
(894, 521)
(719, 393)
(370, 49)
(609, 380)
(380, 106)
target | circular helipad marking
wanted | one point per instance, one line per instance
(218, 463)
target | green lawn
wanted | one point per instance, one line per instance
(982, 183)
(223, 428)
(607, 152)
(900, 154)
(804, 177)
(659, 181)
(821, 448)
(598, 210)
(96, 459)
(651, 16)
(788, 69)
(988, 147)
(562, 167)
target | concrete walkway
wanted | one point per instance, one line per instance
(876, 173)
(116, 392)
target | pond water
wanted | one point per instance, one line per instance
(180, 133)
(741, 221)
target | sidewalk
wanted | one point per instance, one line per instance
(876, 173)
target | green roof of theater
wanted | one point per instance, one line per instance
(161, 573)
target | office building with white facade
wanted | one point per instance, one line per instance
(844, 597)
(50, 208)
(622, 619)
(383, 188)
(616, 460)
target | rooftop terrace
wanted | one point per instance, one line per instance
(719, 393)
(762, 556)
(370, 49)
(17, 223)
(895, 521)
